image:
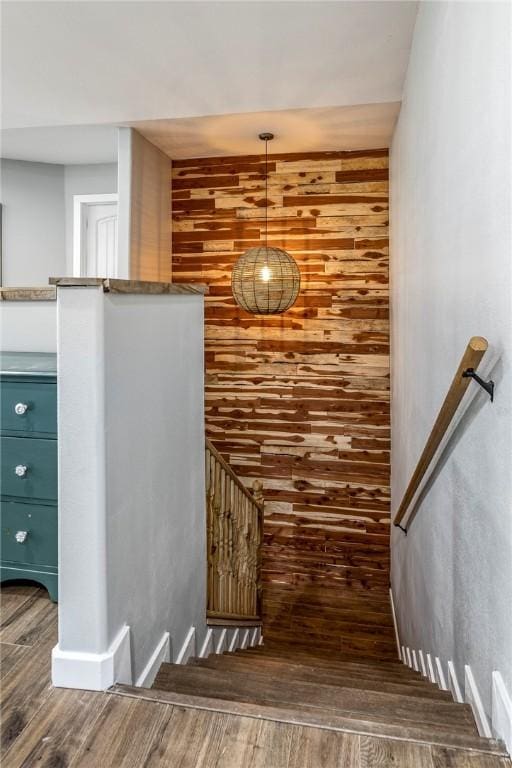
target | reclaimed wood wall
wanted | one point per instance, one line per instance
(301, 400)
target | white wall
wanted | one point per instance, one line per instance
(38, 216)
(99, 178)
(155, 469)
(28, 326)
(33, 222)
(131, 479)
(451, 279)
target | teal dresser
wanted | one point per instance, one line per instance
(28, 398)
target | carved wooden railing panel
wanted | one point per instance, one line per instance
(234, 520)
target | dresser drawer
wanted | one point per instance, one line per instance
(29, 468)
(29, 533)
(29, 406)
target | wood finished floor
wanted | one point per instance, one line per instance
(57, 728)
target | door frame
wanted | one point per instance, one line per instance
(79, 204)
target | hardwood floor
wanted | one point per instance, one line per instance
(58, 728)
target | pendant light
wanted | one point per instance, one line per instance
(265, 281)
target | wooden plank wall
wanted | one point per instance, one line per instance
(300, 400)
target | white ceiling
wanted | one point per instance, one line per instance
(67, 145)
(295, 130)
(113, 63)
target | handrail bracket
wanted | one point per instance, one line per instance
(470, 373)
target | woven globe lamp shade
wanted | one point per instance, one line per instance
(265, 281)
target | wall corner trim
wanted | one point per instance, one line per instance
(188, 648)
(161, 654)
(501, 711)
(94, 671)
(473, 698)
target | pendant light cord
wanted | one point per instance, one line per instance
(266, 193)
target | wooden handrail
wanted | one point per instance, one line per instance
(234, 523)
(475, 350)
(210, 447)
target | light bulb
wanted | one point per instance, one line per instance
(266, 274)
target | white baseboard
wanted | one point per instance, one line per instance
(453, 683)
(501, 716)
(94, 671)
(473, 698)
(501, 719)
(234, 640)
(430, 668)
(501, 711)
(161, 654)
(440, 678)
(207, 646)
(221, 641)
(395, 624)
(188, 648)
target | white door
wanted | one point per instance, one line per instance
(100, 240)
(95, 236)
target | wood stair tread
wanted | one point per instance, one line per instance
(317, 718)
(315, 675)
(268, 690)
(390, 668)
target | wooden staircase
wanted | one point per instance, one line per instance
(329, 658)
(275, 682)
(328, 661)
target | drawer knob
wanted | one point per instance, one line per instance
(21, 470)
(21, 536)
(20, 408)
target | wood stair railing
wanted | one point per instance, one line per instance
(471, 358)
(234, 520)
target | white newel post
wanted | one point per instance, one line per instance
(131, 481)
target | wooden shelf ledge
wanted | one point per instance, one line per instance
(114, 285)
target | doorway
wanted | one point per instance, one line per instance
(95, 225)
